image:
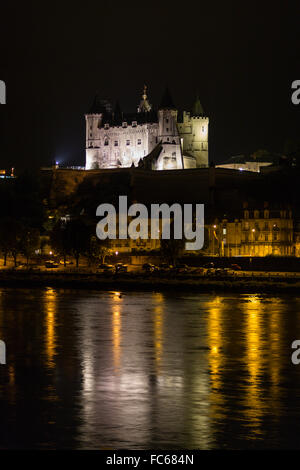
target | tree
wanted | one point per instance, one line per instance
(70, 238)
(292, 151)
(172, 249)
(11, 232)
(261, 153)
(97, 250)
(59, 239)
(79, 238)
(4, 239)
(29, 242)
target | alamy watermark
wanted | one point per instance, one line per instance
(2, 352)
(295, 358)
(2, 92)
(296, 94)
(166, 222)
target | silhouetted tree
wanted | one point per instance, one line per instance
(30, 241)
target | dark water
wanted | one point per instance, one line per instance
(92, 370)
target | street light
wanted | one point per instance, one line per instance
(253, 230)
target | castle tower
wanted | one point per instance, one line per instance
(98, 111)
(199, 142)
(171, 155)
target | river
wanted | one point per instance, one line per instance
(109, 370)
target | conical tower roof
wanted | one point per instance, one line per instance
(167, 101)
(99, 106)
(117, 113)
(197, 107)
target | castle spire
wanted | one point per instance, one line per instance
(144, 105)
(197, 107)
(145, 93)
(167, 101)
(117, 114)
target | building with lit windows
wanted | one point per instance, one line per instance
(260, 232)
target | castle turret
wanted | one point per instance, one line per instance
(171, 156)
(200, 134)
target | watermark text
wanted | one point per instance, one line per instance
(166, 222)
(2, 92)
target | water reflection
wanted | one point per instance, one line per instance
(50, 325)
(158, 330)
(149, 370)
(116, 330)
(215, 328)
(255, 343)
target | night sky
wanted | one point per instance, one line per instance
(54, 56)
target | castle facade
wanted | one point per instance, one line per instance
(159, 139)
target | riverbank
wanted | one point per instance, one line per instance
(132, 282)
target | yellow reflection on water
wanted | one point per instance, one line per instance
(158, 330)
(214, 332)
(116, 336)
(254, 361)
(50, 324)
(275, 353)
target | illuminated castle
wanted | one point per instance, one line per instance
(158, 140)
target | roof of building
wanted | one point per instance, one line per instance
(250, 159)
(148, 162)
(139, 118)
(145, 112)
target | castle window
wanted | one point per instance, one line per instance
(134, 123)
(202, 128)
(106, 126)
(106, 141)
(167, 129)
(139, 141)
(124, 124)
(116, 143)
(167, 120)
(127, 142)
